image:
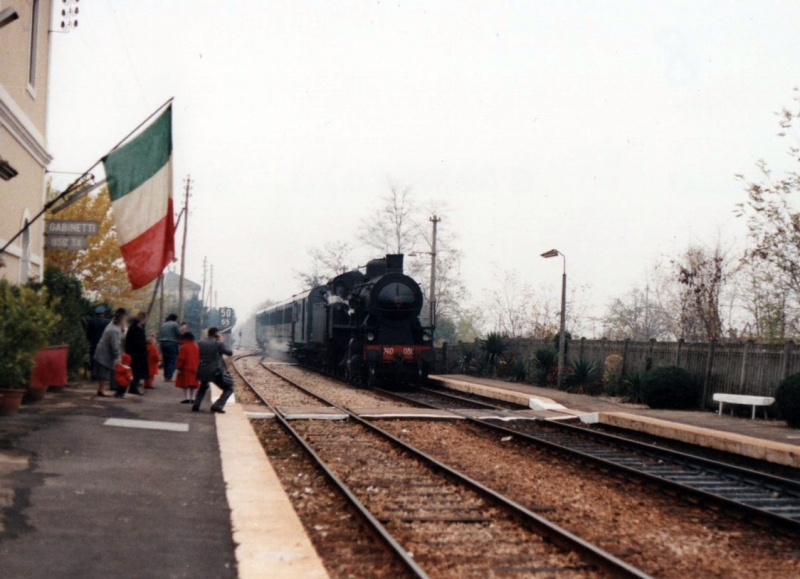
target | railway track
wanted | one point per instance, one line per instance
(435, 519)
(752, 493)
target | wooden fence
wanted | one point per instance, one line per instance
(731, 368)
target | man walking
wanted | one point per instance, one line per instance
(211, 352)
(136, 347)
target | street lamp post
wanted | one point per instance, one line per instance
(562, 334)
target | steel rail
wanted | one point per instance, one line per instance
(551, 531)
(762, 485)
(370, 520)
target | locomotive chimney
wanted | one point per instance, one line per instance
(394, 263)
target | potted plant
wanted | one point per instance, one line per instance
(25, 322)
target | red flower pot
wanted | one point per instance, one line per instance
(10, 401)
(50, 369)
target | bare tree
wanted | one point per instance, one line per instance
(637, 316)
(772, 218)
(327, 262)
(771, 312)
(773, 259)
(392, 226)
(509, 305)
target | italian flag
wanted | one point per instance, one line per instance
(139, 176)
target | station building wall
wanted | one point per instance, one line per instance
(24, 62)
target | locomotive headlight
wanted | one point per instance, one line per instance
(370, 336)
(426, 338)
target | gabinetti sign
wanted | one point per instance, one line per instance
(65, 227)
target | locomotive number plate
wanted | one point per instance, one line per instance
(390, 353)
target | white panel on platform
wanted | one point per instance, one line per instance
(147, 424)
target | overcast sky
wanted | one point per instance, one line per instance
(611, 131)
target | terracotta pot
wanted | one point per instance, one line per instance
(10, 401)
(34, 393)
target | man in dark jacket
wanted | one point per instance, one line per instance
(136, 346)
(211, 351)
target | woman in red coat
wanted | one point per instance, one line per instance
(188, 361)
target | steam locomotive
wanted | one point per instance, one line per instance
(364, 327)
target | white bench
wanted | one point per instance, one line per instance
(742, 399)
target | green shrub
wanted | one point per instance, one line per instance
(612, 382)
(518, 369)
(631, 389)
(26, 321)
(787, 400)
(583, 377)
(65, 298)
(466, 362)
(495, 348)
(669, 387)
(544, 361)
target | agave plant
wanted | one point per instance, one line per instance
(466, 362)
(544, 360)
(519, 370)
(495, 348)
(583, 377)
(632, 385)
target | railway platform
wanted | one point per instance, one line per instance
(769, 440)
(142, 487)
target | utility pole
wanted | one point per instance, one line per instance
(203, 293)
(210, 287)
(435, 220)
(161, 301)
(188, 182)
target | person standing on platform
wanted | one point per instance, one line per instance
(136, 346)
(211, 361)
(188, 361)
(168, 337)
(108, 351)
(94, 331)
(153, 360)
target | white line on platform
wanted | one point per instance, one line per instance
(147, 424)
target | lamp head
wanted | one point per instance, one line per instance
(551, 253)
(7, 16)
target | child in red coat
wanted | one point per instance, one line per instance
(123, 375)
(153, 360)
(188, 361)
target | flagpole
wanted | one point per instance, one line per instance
(143, 123)
(72, 185)
(183, 246)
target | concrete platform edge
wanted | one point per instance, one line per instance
(269, 537)
(768, 450)
(757, 448)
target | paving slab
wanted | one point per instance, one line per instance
(87, 498)
(311, 413)
(405, 412)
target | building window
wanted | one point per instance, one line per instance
(25, 257)
(34, 44)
